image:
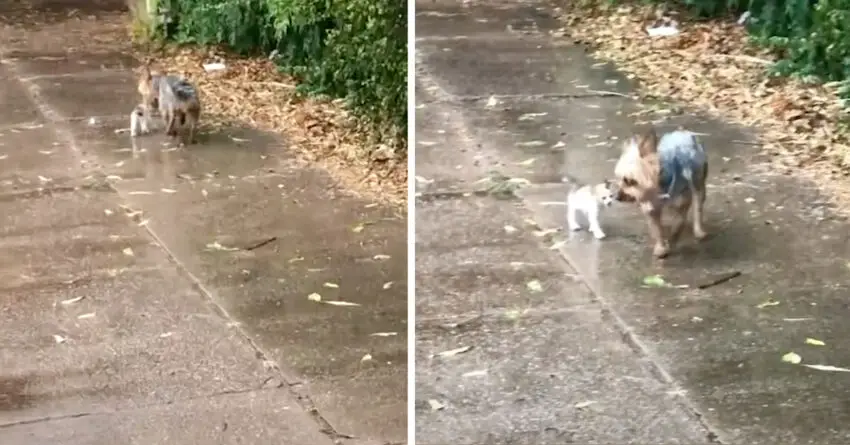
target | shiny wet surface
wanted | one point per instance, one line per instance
(549, 365)
(154, 292)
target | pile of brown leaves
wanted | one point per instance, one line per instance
(711, 66)
(251, 92)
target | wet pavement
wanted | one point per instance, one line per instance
(550, 337)
(154, 294)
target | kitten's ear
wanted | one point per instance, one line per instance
(647, 142)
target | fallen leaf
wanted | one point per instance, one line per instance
(477, 373)
(767, 303)
(71, 301)
(165, 190)
(366, 358)
(108, 212)
(527, 162)
(424, 180)
(435, 405)
(827, 368)
(380, 257)
(340, 303)
(585, 404)
(358, 228)
(454, 352)
(530, 116)
(792, 358)
(510, 229)
(534, 286)
(314, 297)
(815, 342)
(654, 281)
(542, 233)
(535, 143)
(166, 334)
(492, 102)
(128, 251)
(59, 338)
(216, 246)
(383, 334)
(388, 285)
(557, 245)
(331, 285)
(84, 316)
(140, 192)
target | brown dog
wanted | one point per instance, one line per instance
(666, 172)
(176, 99)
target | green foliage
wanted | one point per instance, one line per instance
(354, 49)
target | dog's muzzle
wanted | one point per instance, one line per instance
(623, 197)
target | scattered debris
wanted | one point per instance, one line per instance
(720, 279)
(534, 286)
(435, 405)
(71, 301)
(662, 31)
(827, 368)
(792, 358)
(216, 66)
(453, 352)
(767, 303)
(261, 243)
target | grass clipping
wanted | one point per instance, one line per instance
(250, 92)
(711, 66)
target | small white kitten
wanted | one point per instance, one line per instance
(588, 200)
(138, 121)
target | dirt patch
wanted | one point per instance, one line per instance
(711, 66)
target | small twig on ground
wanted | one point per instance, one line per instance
(261, 243)
(719, 280)
(609, 93)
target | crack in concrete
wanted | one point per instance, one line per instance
(591, 94)
(459, 321)
(65, 135)
(142, 407)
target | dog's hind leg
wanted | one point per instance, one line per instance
(699, 192)
(681, 208)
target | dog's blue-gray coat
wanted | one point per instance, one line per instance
(682, 160)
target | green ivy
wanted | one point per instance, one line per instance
(353, 49)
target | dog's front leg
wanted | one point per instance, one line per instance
(652, 212)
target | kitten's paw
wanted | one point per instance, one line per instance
(574, 227)
(599, 234)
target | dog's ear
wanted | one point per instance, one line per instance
(145, 69)
(647, 142)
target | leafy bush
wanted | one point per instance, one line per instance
(354, 49)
